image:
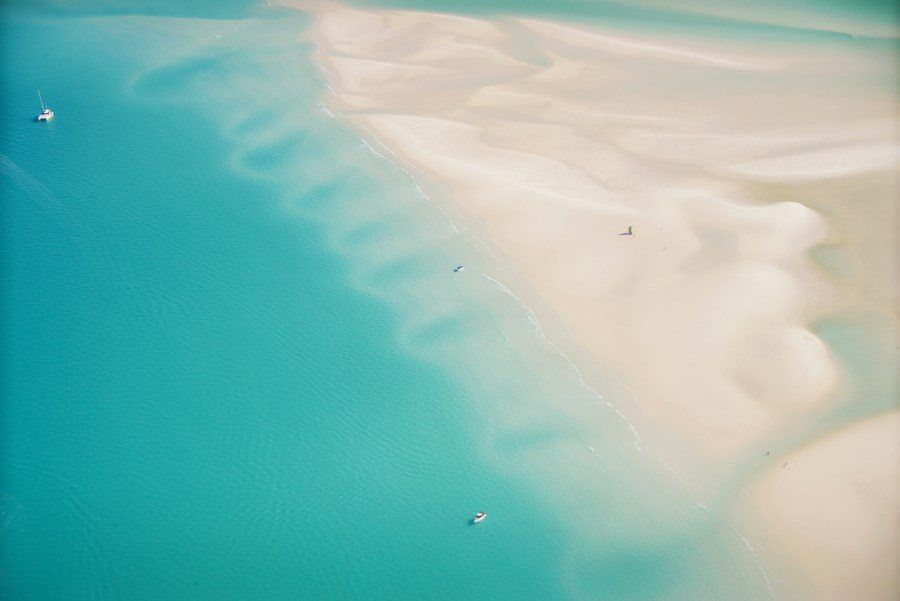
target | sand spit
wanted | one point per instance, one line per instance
(555, 138)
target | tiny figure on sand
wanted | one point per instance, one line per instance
(628, 232)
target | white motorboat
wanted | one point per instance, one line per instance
(479, 517)
(46, 113)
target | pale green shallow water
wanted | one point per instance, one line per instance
(236, 365)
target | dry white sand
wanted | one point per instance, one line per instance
(832, 508)
(555, 138)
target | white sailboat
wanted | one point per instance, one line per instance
(46, 113)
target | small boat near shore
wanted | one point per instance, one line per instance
(458, 268)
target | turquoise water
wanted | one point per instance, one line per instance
(237, 365)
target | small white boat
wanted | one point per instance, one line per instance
(479, 517)
(458, 268)
(46, 113)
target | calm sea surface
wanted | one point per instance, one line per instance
(236, 364)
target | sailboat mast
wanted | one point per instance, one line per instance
(41, 99)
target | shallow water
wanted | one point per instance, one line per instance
(237, 363)
(792, 18)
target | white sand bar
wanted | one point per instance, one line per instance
(556, 137)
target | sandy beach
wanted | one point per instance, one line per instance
(730, 161)
(832, 507)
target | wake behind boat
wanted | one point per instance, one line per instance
(46, 113)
